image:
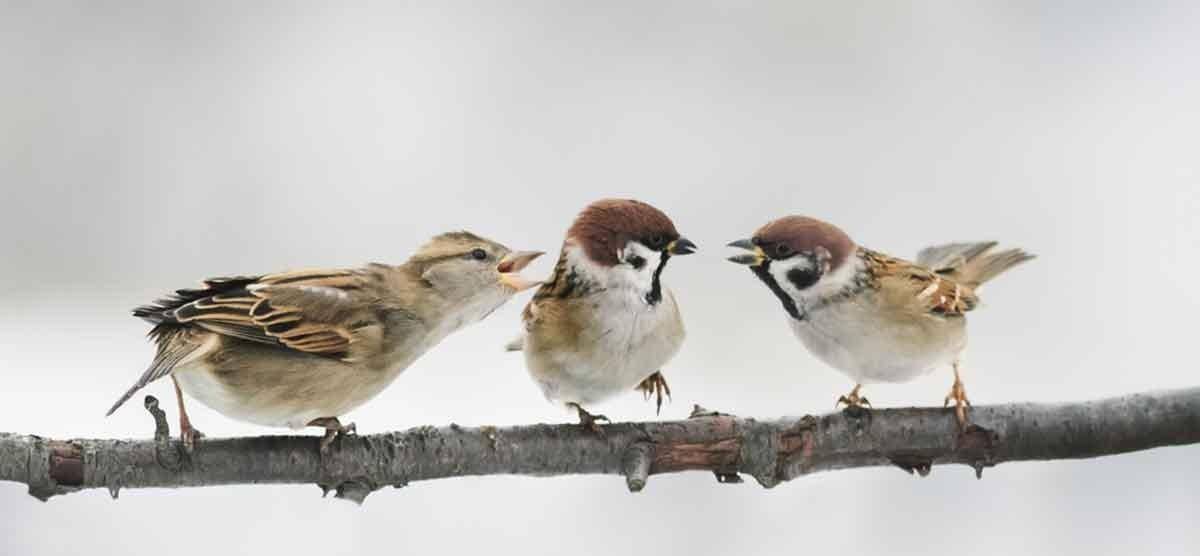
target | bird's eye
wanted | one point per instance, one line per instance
(656, 241)
(783, 250)
(478, 254)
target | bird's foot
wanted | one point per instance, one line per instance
(588, 420)
(655, 385)
(959, 395)
(333, 430)
(853, 400)
(189, 435)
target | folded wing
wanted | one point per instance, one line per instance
(323, 313)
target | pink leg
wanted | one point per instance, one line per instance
(187, 433)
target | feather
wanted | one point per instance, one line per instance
(972, 264)
(175, 343)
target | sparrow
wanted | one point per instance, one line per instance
(605, 323)
(874, 317)
(302, 348)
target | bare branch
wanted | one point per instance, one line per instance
(914, 439)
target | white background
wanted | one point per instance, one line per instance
(143, 147)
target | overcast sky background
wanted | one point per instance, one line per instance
(146, 146)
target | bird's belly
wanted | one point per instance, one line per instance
(278, 396)
(870, 351)
(595, 377)
(620, 354)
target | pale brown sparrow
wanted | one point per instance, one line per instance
(873, 317)
(302, 348)
(605, 323)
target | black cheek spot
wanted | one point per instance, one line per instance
(636, 262)
(803, 278)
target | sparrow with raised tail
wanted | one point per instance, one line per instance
(302, 348)
(874, 317)
(605, 323)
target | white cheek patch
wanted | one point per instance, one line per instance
(780, 269)
(634, 248)
(639, 278)
(623, 276)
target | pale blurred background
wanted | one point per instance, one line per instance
(146, 146)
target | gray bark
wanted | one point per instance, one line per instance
(771, 451)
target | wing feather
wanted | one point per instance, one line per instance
(321, 312)
(908, 285)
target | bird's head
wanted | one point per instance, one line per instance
(626, 243)
(465, 268)
(793, 255)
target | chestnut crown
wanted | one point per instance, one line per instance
(605, 226)
(791, 235)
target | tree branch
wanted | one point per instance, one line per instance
(772, 452)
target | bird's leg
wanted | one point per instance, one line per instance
(333, 429)
(655, 385)
(187, 433)
(853, 400)
(959, 394)
(587, 420)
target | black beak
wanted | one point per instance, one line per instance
(755, 258)
(742, 244)
(681, 246)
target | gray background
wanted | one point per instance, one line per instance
(144, 147)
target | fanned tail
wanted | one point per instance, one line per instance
(971, 264)
(981, 269)
(951, 256)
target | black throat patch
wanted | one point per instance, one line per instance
(789, 304)
(654, 296)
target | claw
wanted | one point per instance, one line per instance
(588, 420)
(958, 394)
(852, 399)
(334, 429)
(189, 436)
(655, 385)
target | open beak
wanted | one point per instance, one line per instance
(512, 264)
(754, 258)
(681, 246)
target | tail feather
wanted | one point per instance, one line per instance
(981, 269)
(173, 347)
(971, 263)
(952, 255)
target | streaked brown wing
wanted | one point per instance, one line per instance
(313, 311)
(905, 283)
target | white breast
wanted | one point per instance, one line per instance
(625, 339)
(631, 341)
(852, 339)
(867, 342)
